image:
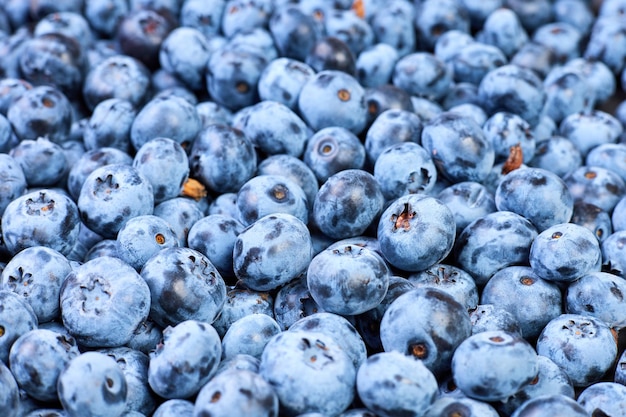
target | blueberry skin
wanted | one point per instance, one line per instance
(387, 97)
(504, 130)
(392, 384)
(390, 127)
(550, 380)
(282, 79)
(552, 202)
(146, 336)
(187, 63)
(582, 345)
(183, 285)
(596, 185)
(10, 393)
(213, 113)
(503, 29)
(599, 76)
(37, 358)
(606, 43)
(474, 61)
(374, 66)
(347, 204)
(241, 302)
(185, 361)
(435, 18)
(393, 25)
(598, 294)
(564, 252)
(465, 406)
(488, 317)
(613, 253)
(405, 168)
(459, 147)
(43, 162)
(325, 376)
(468, 201)
(351, 29)
(97, 370)
(41, 111)
(109, 125)
(567, 93)
(343, 99)
(249, 335)
(214, 236)
(140, 34)
(171, 117)
(111, 195)
(557, 154)
(293, 301)
(134, 365)
(535, 57)
(408, 217)
(181, 213)
(37, 273)
(232, 77)
(104, 15)
(620, 368)
(451, 42)
(513, 89)
(451, 279)
(164, 162)
(603, 397)
(41, 218)
(205, 16)
(473, 367)
(263, 195)
(425, 324)
(16, 318)
(272, 251)
(557, 405)
(239, 362)
(333, 149)
(432, 81)
(590, 129)
(240, 15)
(618, 217)
(610, 156)
(105, 247)
(339, 328)
(293, 168)
(273, 128)
(237, 392)
(174, 408)
(222, 158)
(103, 301)
(118, 76)
(142, 237)
(532, 300)
(89, 161)
(14, 181)
(593, 218)
(294, 31)
(331, 53)
(10, 90)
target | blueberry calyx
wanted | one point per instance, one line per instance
(402, 220)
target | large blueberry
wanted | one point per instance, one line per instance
(185, 361)
(184, 285)
(272, 251)
(598, 294)
(43, 162)
(607, 398)
(103, 301)
(249, 335)
(415, 232)
(142, 237)
(431, 81)
(468, 201)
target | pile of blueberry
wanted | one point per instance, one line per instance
(312, 208)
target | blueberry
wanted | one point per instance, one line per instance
(241, 302)
(474, 61)
(338, 327)
(333, 149)
(239, 392)
(374, 66)
(532, 300)
(109, 125)
(181, 213)
(282, 79)
(273, 128)
(582, 345)
(432, 81)
(43, 162)
(14, 181)
(390, 127)
(450, 279)
(37, 358)
(272, 251)
(504, 130)
(393, 25)
(557, 154)
(450, 43)
(590, 129)
(141, 33)
(41, 111)
(184, 285)
(222, 158)
(392, 384)
(239, 362)
(331, 53)
(620, 368)
(550, 404)
(488, 317)
(343, 99)
(41, 218)
(293, 302)
(239, 15)
(459, 147)
(104, 15)
(387, 97)
(249, 335)
(171, 117)
(185, 361)
(435, 18)
(37, 273)
(213, 113)
(415, 215)
(405, 168)
(567, 93)
(468, 201)
(205, 16)
(551, 203)
(186, 62)
(613, 253)
(326, 375)
(16, 318)
(599, 77)
(103, 301)
(118, 76)
(599, 186)
(174, 408)
(503, 29)
(10, 90)
(598, 294)
(142, 237)
(494, 365)
(425, 324)
(609, 156)
(446, 406)
(146, 336)
(134, 366)
(293, 168)
(606, 42)
(96, 370)
(294, 31)
(111, 195)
